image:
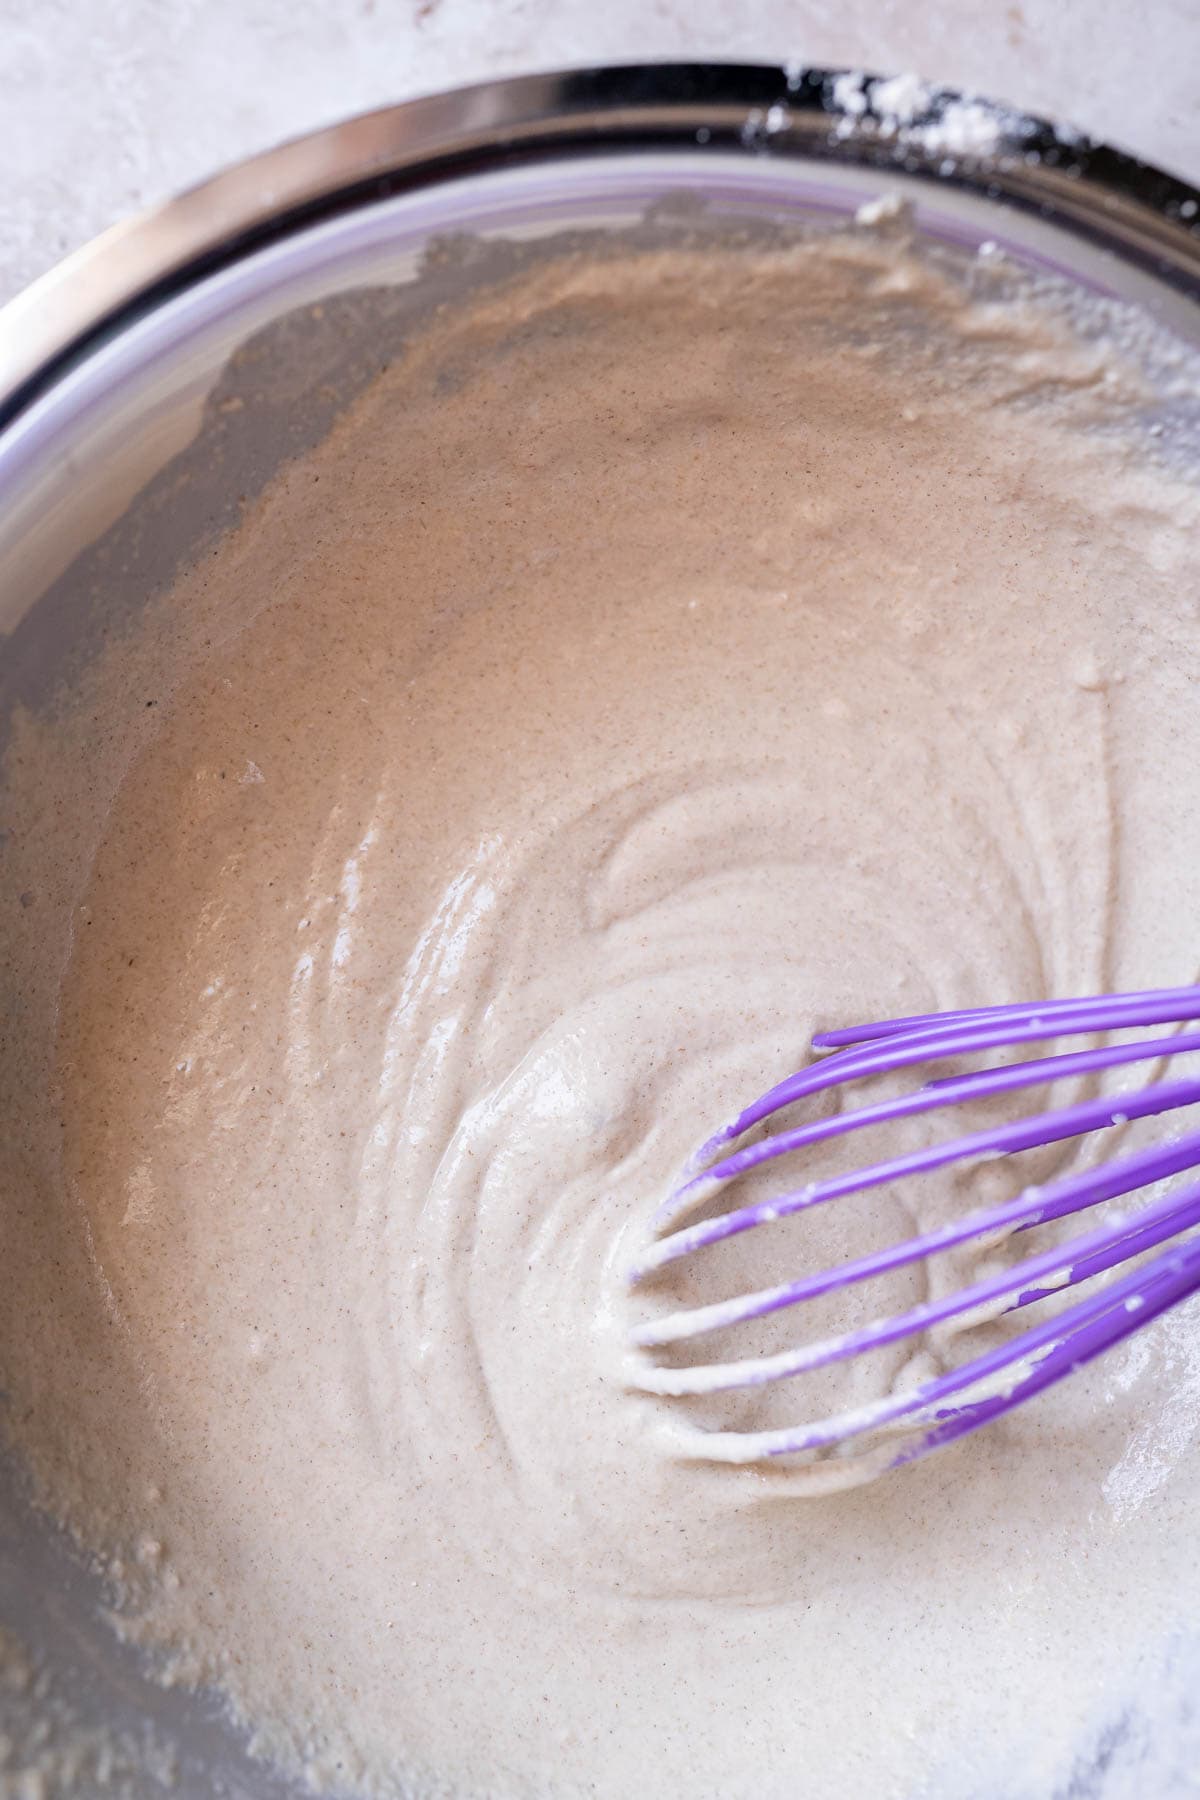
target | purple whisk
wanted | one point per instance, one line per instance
(935, 1411)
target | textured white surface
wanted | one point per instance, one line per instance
(107, 105)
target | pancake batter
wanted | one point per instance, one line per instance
(671, 654)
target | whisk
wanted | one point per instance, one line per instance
(933, 1412)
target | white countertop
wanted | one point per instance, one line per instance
(108, 105)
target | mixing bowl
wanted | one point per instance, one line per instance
(152, 384)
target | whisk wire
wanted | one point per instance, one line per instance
(1000, 1140)
(961, 1398)
(1025, 1365)
(877, 1052)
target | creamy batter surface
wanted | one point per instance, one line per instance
(674, 652)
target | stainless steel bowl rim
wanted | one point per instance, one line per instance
(1144, 214)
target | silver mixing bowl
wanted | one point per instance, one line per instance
(286, 282)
